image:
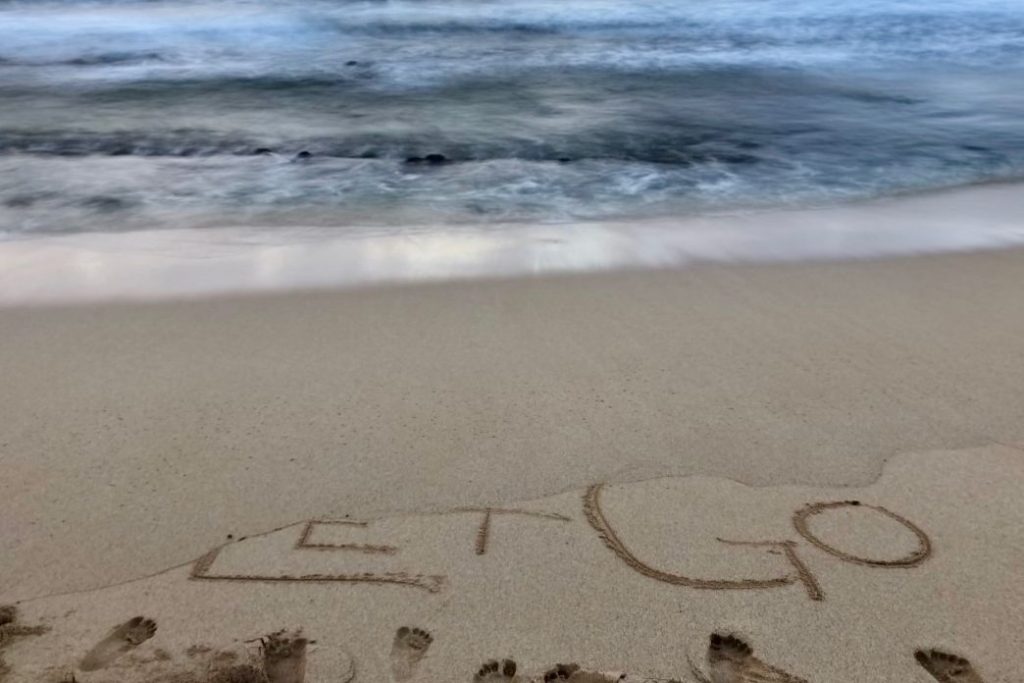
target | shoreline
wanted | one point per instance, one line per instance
(168, 264)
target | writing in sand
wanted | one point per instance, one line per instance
(792, 568)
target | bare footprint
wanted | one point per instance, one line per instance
(497, 672)
(947, 668)
(284, 657)
(730, 660)
(409, 647)
(572, 673)
(240, 673)
(10, 628)
(561, 672)
(122, 638)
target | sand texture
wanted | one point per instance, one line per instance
(826, 584)
(601, 469)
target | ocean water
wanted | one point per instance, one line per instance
(370, 115)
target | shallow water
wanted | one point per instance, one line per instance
(158, 264)
(133, 115)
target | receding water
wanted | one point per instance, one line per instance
(120, 115)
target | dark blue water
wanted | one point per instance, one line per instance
(121, 115)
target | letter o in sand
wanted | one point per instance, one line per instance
(923, 551)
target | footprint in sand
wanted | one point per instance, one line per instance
(730, 660)
(409, 647)
(240, 673)
(494, 671)
(284, 657)
(572, 673)
(121, 639)
(10, 628)
(947, 668)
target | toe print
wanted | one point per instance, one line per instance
(946, 667)
(561, 672)
(572, 673)
(494, 671)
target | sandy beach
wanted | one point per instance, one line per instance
(511, 341)
(823, 459)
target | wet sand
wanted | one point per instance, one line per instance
(151, 264)
(714, 402)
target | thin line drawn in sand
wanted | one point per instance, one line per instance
(284, 657)
(600, 523)
(484, 530)
(788, 548)
(482, 533)
(307, 531)
(732, 660)
(800, 522)
(597, 519)
(407, 650)
(431, 583)
(946, 667)
(121, 639)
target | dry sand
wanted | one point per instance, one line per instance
(136, 438)
(549, 589)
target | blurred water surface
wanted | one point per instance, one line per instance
(118, 115)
